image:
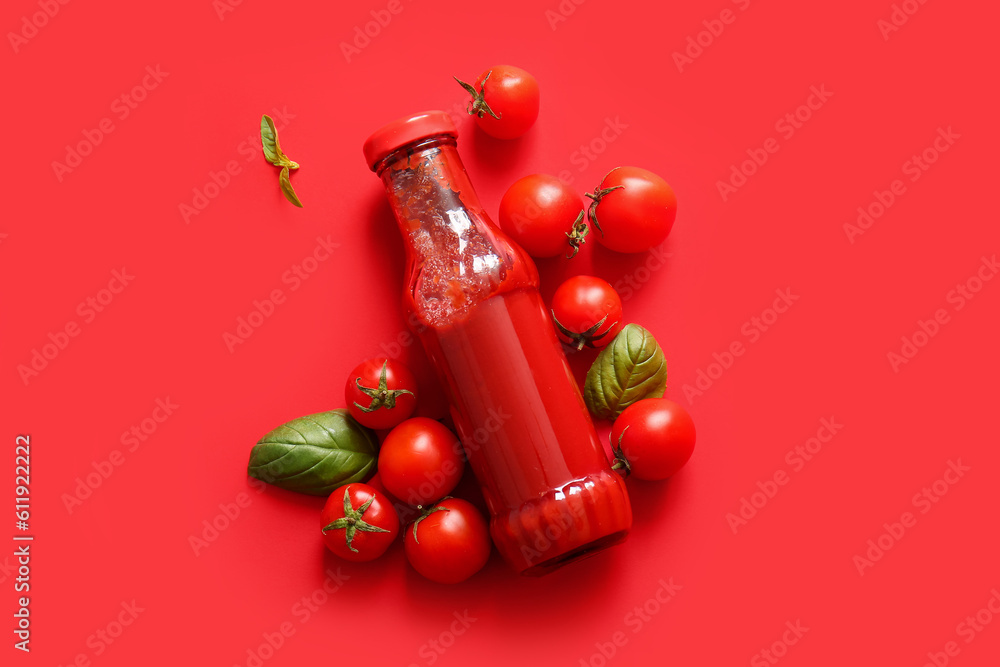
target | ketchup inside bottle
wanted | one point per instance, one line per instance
(473, 296)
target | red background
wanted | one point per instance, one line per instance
(162, 336)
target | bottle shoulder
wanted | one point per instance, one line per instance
(459, 261)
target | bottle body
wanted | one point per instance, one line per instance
(523, 424)
(472, 297)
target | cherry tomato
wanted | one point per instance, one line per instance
(541, 213)
(449, 543)
(632, 209)
(653, 438)
(381, 393)
(504, 101)
(587, 312)
(420, 461)
(358, 523)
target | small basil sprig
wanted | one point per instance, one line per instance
(286, 187)
(277, 157)
(630, 368)
(315, 454)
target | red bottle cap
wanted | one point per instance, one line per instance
(404, 131)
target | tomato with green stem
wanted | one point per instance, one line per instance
(449, 542)
(587, 312)
(652, 439)
(358, 523)
(381, 393)
(504, 101)
(542, 214)
(632, 209)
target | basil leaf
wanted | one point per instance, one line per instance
(315, 454)
(274, 155)
(631, 368)
(269, 139)
(286, 187)
(272, 149)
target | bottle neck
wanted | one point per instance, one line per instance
(456, 257)
(426, 180)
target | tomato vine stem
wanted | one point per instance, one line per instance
(620, 459)
(382, 396)
(477, 105)
(577, 234)
(426, 513)
(353, 520)
(582, 339)
(597, 195)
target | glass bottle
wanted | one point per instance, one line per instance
(472, 297)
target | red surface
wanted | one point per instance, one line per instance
(608, 81)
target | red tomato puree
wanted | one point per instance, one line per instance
(523, 423)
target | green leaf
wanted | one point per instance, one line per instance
(287, 189)
(629, 369)
(272, 149)
(315, 454)
(269, 139)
